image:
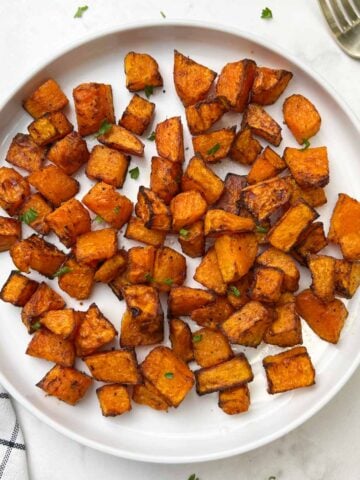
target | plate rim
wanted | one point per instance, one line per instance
(343, 105)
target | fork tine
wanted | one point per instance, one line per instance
(329, 17)
(339, 16)
(349, 10)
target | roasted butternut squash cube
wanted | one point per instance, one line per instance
(136, 230)
(69, 221)
(322, 269)
(147, 394)
(302, 118)
(105, 201)
(347, 278)
(261, 124)
(310, 167)
(285, 330)
(143, 302)
(213, 314)
(235, 82)
(183, 300)
(165, 178)
(141, 71)
(203, 115)
(43, 299)
(311, 240)
(114, 400)
(118, 284)
(137, 115)
(152, 210)
(245, 148)
(214, 146)
(169, 269)
(169, 374)
(229, 374)
(192, 239)
(54, 184)
(286, 231)
(235, 254)
(92, 247)
(218, 222)
(107, 165)
(289, 370)
(37, 254)
(169, 139)
(25, 153)
(345, 226)
(231, 197)
(93, 105)
(121, 139)
(209, 274)
(235, 400)
(267, 165)
(10, 232)
(18, 289)
(278, 259)
(70, 153)
(62, 323)
(114, 366)
(198, 176)
(211, 347)
(248, 325)
(187, 208)
(314, 196)
(136, 332)
(181, 339)
(49, 128)
(111, 268)
(34, 213)
(14, 190)
(77, 279)
(238, 293)
(65, 383)
(48, 97)
(94, 332)
(192, 80)
(325, 319)
(140, 267)
(269, 84)
(51, 347)
(267, 286)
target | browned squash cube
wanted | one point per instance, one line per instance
(14, 190)
(92, 247)
(165, 178)
(65, 383)
(111, 268)
(203, 115)
(218, 222)
(70, 153)
(314, 196)
(267, 165)
(187, 208)
(286, 231)
(235, 82)
(311, 240)
(141, 71)
(282, 261)
(169, 139)
(10, 232)
(169, 269)
(143, 302)
(54, 184)
(169, 374)
(118, 284)
(267, 286)
(63, 323)
(136, 230)
(43, 300)
(121, 139)
(107, 165)
(302, 118)
(37, 254)
(114, 366)
(285, 330)
(213, 314)
(25, 153)
(192, 239)
(137, 115)
(248, 325)
(51, 347)
(77, 279)
(181, 339)
(140, 267)
(289, 370)
(152, 210)
(18, 289)
(214, 146)
(198, 176)
(208, 273)
(94, 332)
(235, 400)
(69, 221)
(231, 197)
(238, 293)
(262, 124)
(347, 278)
(322, 269)
(229, 374)
(325, 319)
(135, 332)
(192, 80)
(183, 300)
(269, 84)
(114, 400)
(236, 255)
(310, 167)
(106, 202)
(147, 394)
(48, 97)
(49, 128)
(93, 105)
(245, 147)
(211, 347)
(34, 213)
(345, 226)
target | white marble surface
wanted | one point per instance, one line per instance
(328, 445)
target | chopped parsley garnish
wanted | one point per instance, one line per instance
(197, 338)
(168, 281)
(98, 219)
(29, 216)
(306, 144)
(168, 375)
(183, 232)
(117, 210)
(148, 277)
(36, 326)
(152, 136)
(105, 127)
(213, 149)
(62, 271)
(266, 13)
(162, 14)
(234, 291)
(134, 173)
(80, 11)
(149, 90)
(261, 229)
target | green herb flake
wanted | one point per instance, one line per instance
(261, 229)
(98, 219)
(306, 144)
(105, 127)
(213, 149)
(62, 271)
(152, 136)
(29, 216)
(184, 233)
(162, 14)
(168, 281)
(80, 11)
(197, 338)
(134, 173)
(168, 375)
(117, 210)
(149, 90)
(148, 277)
(193, 477)
(36, 326)
(232, 290)
(266, 13)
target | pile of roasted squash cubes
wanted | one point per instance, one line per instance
(250, 233)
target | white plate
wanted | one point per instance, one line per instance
(198, 430)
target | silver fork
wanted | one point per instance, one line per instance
(343, 17)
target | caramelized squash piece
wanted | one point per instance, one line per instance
(267, 165)
(135, 332)
(25, 153)
(218, 222)
(208, 273)
(152, 210)
(107, 165)
(141, 71)
(49, 128)
(114, 366)
(121, 139)
(231, 197)
(314, 196)
(18, 289)
(262, 124)
(61, 322)
(192, 239)
(181, 339)
(111, 268)
(137, 115)
(140, 267)
(235, 82)
(211, 347)
(278, 259)
(70, 153)
(235, 400)
(10, 233)
(147, 394)
(285, 330)
(51, 347)
(114, 400)
(245, 147)
(267, 286)
(203, 115)
(213, 314)
(198, 176)
(214, 146)
(310, 167)
(136, 230)
(77, 279)
(165, 178)
(322, 269)
(92, 247)
(14, 190)
(182, 301)
(143, 302)
(40, 209)
(311, 240)
(302, 118)
(347, 278)
(187, 208)
(169, 139)
(48, 97)
(169, 269)
(269, 84)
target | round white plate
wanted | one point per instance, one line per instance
(198, 430)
